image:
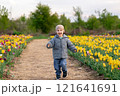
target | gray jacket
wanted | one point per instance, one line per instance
(60, 46)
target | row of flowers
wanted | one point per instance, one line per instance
(11, 46)
(101, 53)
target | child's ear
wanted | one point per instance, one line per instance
(55, 32)
(64, 32)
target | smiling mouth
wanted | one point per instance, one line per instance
(59, 33)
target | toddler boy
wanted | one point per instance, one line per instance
(60, 43)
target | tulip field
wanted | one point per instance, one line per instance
(101, 53)
(11, 46)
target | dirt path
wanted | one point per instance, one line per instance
(36, 63)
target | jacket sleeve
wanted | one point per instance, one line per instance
(51, 42)
(70, 46)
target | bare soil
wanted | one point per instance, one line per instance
(36, 63)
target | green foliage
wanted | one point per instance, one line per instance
(108, 21)
(40, 37)
(117, 32)
(97, 65)
(23, 18)
(8, 56)
(16, 32)
(4, 21)
(86, 33)
(74, 25)
(65, 22)
(29, 23)
(93, 23)
(42, 19)
(20, 24)
(105, 21)
(78, 14)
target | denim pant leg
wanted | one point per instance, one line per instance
(57, 67)
(63, 64)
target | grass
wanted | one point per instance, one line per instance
(41, 37)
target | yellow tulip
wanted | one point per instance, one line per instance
(112, 67)
(96, 60)
(3, 51)
(95, 53)
(85, 54)
(1, 61)
(104, 65)
(9, 47)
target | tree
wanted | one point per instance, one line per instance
(21, 24)
(65, 22)
(42, 19)
(55, 20)
(4, 21)
(78, 14)
(116, 23)
(93, 23)
(23, 19)
(106, 19)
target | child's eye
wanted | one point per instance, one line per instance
(59, 30)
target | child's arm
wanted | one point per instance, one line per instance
(50, 44)
(71, 46)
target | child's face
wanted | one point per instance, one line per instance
(60, 32)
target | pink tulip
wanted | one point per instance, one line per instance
(88, 53)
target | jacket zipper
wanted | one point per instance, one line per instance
(61, 47)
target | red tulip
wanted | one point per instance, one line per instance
(9, 50)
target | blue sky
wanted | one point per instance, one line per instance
(20, 7)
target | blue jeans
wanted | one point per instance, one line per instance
(58, 64)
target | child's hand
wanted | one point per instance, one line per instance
(75, 50)
(48, 45)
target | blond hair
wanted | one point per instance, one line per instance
(60, 27)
